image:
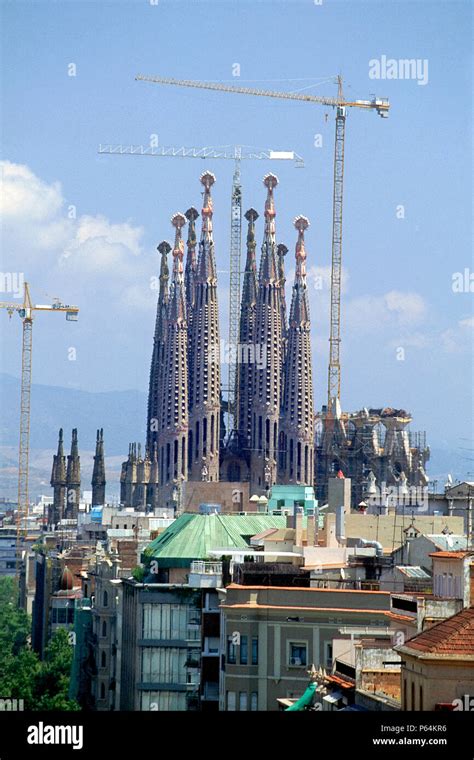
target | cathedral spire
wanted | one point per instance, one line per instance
(58, 483)
(173, 437)
(98, 472)
(268, 269)
(73, 479)
(267, 373)
(177, 304)
(296, 459)
(154, 389)
(191, 261)
(282, 250)
(246, 334)
(204, 376)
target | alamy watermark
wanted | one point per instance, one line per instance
(241, 353)
(12, 282)
(399, 496)
(415, 69)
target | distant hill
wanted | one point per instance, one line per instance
(122, 414)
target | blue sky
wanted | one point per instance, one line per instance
(398, 271)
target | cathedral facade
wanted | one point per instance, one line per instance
(277, 437)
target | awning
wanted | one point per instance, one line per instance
(333, 698)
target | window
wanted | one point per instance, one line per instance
(103, 660)
(104, 628)
(243, 701)
(105, 599)
(102, 690)
(254, 701)
(231, 701)
(255, 651)
(244, 647)
(231, 652)
(297, 655)
(328, 654)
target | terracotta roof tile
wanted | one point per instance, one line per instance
(454, 636)
(450, 555)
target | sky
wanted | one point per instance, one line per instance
(84, 227)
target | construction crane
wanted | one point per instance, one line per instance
(237, 153)
(380, 106)
(26, 311)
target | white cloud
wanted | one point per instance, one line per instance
(458, 339)
(39, 233)
(25, 196)
(393, 309)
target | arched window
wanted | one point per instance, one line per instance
(103, 660)
(104, 628)
(105, 599)
(102, 690)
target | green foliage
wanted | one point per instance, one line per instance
(42, 685)
(138, 573)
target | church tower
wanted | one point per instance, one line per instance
(204, 387)
(98, 472)
(268, 343)
(173, 437)
(58, 483)
(73, 479)
(296, 445)
(156, 370)
(246, 338)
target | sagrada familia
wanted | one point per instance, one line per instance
(277, 437)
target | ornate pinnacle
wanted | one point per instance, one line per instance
(207, 180)
(178, 221)
(301, 223)
(251, 215)
(164, 248)
(270, 181)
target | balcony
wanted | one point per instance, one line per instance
(205, 574)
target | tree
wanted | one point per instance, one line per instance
(42, 685)
(52, 682)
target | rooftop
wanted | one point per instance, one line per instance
(451, 637)
(193, 536)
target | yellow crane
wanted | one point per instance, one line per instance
(26, 311)
(380, 106)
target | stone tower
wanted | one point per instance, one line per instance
(154, 390)
(204, 357)
(73, 479)
(282, 250)
(268, 342)
(191, 261)
(98, 472)
(173, 435)
(296, 446)
(246, 339)
(58, 483)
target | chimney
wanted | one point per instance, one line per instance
(328, 533)
(298, 526)
(340, 525)
(310, 530)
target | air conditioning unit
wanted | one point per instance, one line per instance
(295, 661)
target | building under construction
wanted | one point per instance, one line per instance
(276, 436)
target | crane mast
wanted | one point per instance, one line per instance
(381, 106)
(26, 311)
(334, 369)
